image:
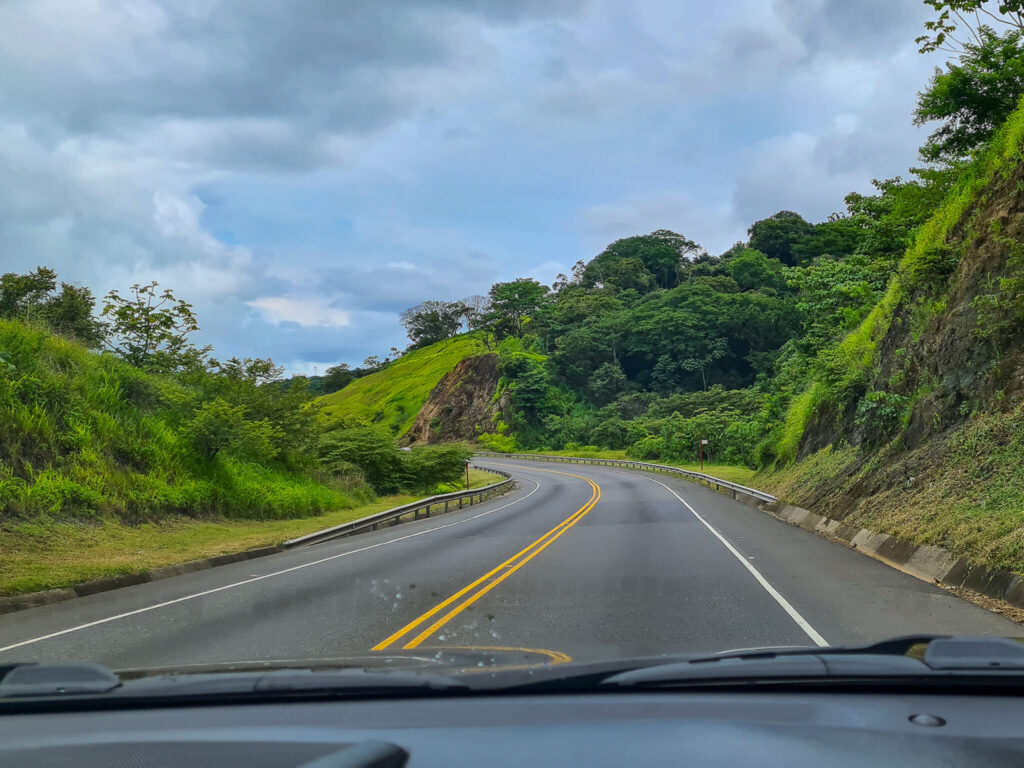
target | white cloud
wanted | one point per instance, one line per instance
(307, 311)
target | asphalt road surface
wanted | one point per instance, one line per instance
(578, 562)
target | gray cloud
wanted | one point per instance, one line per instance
(303, 171)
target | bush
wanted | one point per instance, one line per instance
(427, 466)
(219, 426)
(497, 443)
(368, 448)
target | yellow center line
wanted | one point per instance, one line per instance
(493, 577)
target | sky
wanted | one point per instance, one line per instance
(303, 171)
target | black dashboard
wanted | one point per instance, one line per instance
(603, 729)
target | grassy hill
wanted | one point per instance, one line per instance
(912, 425)
(85, 436)
(392, 397)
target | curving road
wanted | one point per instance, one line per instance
(581, 563)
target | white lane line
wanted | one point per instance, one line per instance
(261, 578)
(801, 622)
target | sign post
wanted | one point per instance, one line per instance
(702, 444)
(467, 475)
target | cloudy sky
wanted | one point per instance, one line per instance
(303, 170)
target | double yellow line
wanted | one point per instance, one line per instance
(469, 594)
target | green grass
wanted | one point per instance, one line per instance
(85, 436)
(48, 554)
(962, 490)
(393, 397)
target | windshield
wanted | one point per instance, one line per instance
(461, 335)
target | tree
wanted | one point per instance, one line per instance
(607, 383)
(32, 298)
(662, 253)
(433, 321)
(973, 97)
(512, 303)
(218, 426)
(475, 311)
(255, 370)
(715, 349)
(753, 270)
(150, 329)
(337, 377)
(973, 16)
(777, 235)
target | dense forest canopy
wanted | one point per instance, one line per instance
(654, 342)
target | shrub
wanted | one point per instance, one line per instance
(368, 448)
(219, 426)
(427, 466)
(497, 443)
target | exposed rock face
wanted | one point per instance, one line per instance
(462, 404)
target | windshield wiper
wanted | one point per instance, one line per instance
(946, 660)
(46, 682)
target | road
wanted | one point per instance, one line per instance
(579, 562)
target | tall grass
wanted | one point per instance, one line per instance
(87, 436)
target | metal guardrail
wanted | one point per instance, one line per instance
(718, 482)
(444, 502)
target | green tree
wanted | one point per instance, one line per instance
(255, 370)
(662, 254)
(218, 426)
(337, 377)
(753, 270)
(607, 383)
(973, 97)
(33, 298)
(512, 303)
(959, 22)
(777, 235)
(433, 321)
(150, 329)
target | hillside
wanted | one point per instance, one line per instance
(86, 436)
(914, 424)
(392, 397)
(462, 405)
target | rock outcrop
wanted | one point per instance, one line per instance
(462, 405)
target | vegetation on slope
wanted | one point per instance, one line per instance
(52, 554)
(392, 396)
(153, 445)
(85, 435)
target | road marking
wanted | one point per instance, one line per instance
(492, 578)
(801, 622)
(206, 592)
(557, 657)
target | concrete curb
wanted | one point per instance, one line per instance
(35, 599)
(923, 561)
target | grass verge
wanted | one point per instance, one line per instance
(962, 490)
(50, 555)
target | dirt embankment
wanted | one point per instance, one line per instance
(462, 405)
